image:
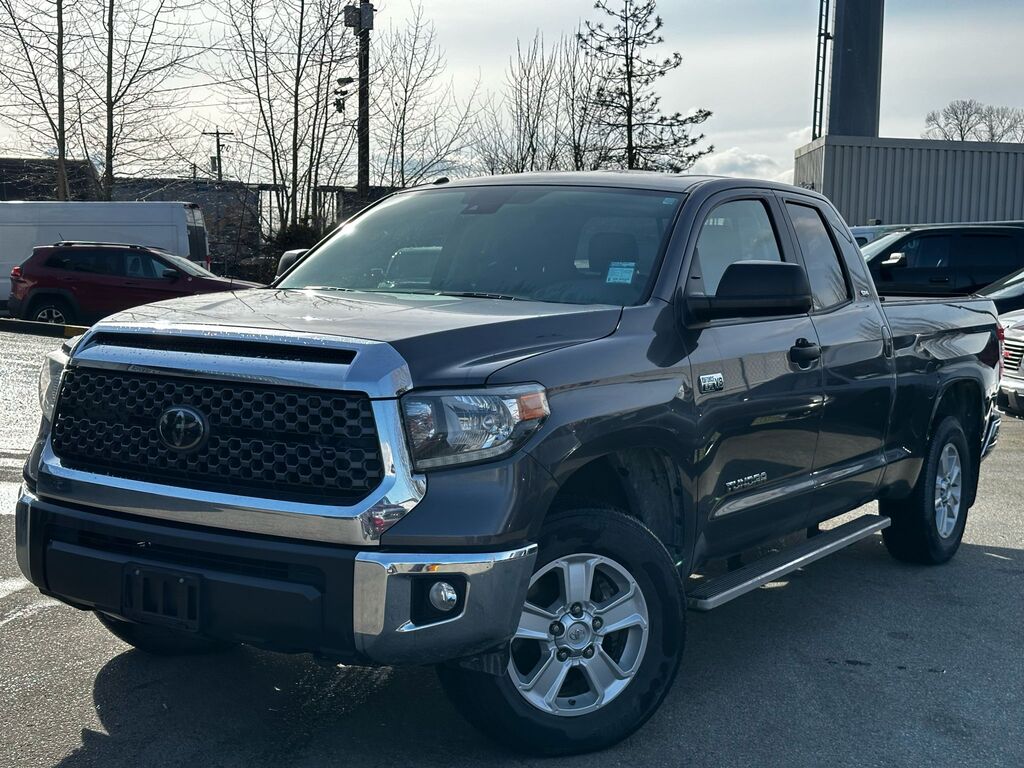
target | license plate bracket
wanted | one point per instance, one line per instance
(161, 596)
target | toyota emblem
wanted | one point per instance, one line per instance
(181, 428)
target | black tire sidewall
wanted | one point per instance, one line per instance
(493, 703)
(46, 303)
(948, 432)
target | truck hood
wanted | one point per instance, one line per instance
(446, 340)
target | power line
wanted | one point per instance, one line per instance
(212, 47)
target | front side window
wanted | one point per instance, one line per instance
(739, 230)
(142, 266)
(926, 251)
(575, 245)
(821, 259)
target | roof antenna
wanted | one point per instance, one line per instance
(441, 180)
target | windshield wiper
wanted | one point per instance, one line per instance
(478, 295)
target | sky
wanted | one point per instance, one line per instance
(751, 62)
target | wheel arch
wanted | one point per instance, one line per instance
(644, 478)
(40, 294)
(963, 399)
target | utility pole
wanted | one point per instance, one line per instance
(218, 133)
(360, 18)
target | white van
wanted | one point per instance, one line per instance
(174, 227)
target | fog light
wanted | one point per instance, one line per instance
(443, 596)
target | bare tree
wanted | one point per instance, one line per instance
(957, 121)
(34, 65)
(420, 128)
(971, 120)
(649, 139)
(584, 140)
(518, 130)
(282, 59)
(1001, 124)
(142, 46)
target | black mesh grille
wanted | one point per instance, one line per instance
(282, 443)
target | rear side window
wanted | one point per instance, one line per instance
(88, 260)
(989, 250)
(739, 230)
(822, 261)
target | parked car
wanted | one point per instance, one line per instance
(868, 234)
(582, 390)
(1011, 387)
(174, 227)
(82, 282)
(946, 260)
(1008, 293)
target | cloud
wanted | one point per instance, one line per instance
(738, 162)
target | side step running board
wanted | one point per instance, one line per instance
(715, 592)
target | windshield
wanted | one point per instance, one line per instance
(575, 245)
(876, 247)
(186, 266)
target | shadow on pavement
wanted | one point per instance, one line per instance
(856, 661)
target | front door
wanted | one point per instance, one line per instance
(758, 411)
(919, 263)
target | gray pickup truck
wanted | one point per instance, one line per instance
(503, 426)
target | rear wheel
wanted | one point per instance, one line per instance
(160, 641)
(928, 526)
(598, 642)
(51, 310)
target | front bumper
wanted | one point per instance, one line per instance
(338, 602)
(1011, 394)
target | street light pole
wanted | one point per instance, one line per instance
(360, 18)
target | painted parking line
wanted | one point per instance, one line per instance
(10, 586)
(29, 610)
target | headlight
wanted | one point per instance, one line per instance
(49, 376)
(460, 426)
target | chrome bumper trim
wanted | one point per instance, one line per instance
(496, 585)
(359, 525)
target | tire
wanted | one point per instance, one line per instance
(917, 533)
(51, 310)
(633, 573)
(161, 641)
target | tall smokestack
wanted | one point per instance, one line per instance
(856, 90)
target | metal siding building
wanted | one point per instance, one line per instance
(914, 181)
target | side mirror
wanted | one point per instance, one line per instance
(170, 274)
(897, 259)
(755, 289)
(288, 258)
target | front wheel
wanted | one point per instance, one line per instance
(598, 643)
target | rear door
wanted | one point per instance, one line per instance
(859, 374)
(987, 255)
(94, 277)
(758, 412)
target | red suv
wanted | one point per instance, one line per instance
(82, 282)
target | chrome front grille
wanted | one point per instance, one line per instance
(277, 442)
(1013, 352)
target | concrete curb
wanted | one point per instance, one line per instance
(54, 330)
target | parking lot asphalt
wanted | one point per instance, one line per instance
(855, 661)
